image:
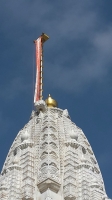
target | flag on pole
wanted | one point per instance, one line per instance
(38, 85)
(38, 44)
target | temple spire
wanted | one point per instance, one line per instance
(39, 66)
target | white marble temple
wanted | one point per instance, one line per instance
(51, 159)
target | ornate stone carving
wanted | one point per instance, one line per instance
(65, 113)
(40, 106)
(51, 154)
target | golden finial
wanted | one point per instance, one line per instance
(51, 102)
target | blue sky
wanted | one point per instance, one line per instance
(77, 68)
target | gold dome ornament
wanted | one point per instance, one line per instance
(51, 102)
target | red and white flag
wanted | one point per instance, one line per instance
(38, 44)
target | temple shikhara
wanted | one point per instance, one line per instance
(50, 158)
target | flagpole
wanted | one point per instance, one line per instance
(39, 66)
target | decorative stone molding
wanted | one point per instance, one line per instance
(49, 184)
